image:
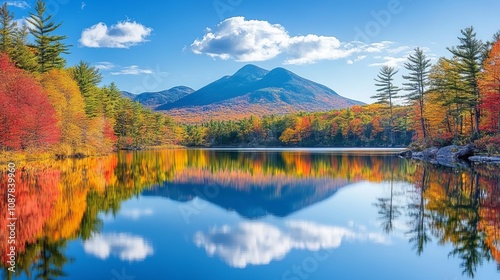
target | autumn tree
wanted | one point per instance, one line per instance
(27, 119)
(489, 84)
(469, 53)
(66, 99)
(386, 93)
(418, 67)
(49, 47)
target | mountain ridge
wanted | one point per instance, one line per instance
(252, 90)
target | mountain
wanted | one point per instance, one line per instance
(129, 95)
(255, 91)
(155, 99)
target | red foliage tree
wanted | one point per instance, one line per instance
(26, 117)
(490, 90)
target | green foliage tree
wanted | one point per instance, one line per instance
(7, 28)
(418, 67)
(48, 47)
(469, 54)
(88, 79)
(23, 55)
(387, 92)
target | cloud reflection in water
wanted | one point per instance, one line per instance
(257, 243)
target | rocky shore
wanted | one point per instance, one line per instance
(450, 155)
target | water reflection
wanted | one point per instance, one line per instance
(126, 246)
(61, 201)
(260, 243)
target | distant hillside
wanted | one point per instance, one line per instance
(155, 99)
(255, 91)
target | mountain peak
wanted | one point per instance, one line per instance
(250, 71)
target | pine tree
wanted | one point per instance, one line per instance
(49, 47)
(7, 28)
(470, 54)
(418, 80)
(387, 92)
(23, 55)
(88, 78)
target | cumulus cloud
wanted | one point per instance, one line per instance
(258, 40)
(255, 243)
(243, 40)
(124, 34)
(18, 4)
(126, 247)
(132, 70)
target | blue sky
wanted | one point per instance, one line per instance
(155, 45)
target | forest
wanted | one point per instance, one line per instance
(52, 110)
(46, 107)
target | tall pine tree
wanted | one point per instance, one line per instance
(48, 47)
(470, 54)
(386, 93)
(418, 67)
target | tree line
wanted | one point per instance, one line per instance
(45, 105)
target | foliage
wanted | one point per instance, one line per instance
(27, 119)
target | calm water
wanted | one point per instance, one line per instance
(253, 214)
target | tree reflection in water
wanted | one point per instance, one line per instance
(61, 201)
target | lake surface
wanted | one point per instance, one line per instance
(253, 214)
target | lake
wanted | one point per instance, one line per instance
(253, 214)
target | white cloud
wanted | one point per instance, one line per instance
(312, 48)
(243, 40)
(136, 213)
(18, 4)
(83, 5)
(391, 61)
(124, 34)
(126, 247)
(104, 65)
(258, 40)
(255, 243)
(358, 58)
(132, 70)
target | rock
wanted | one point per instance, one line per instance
(430, 153)
(447, 153)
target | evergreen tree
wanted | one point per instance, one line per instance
(48, 47)
(418, 80)
(22, 54)
(88, 78)
(470, 55)
(387, 92)
(7, 28)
